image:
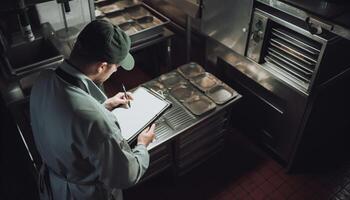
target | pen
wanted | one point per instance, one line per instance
(126, 95)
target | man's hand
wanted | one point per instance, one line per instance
(118, 99)
(146, 136)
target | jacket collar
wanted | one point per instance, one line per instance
(92, 88)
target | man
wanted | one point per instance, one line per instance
(78, 138)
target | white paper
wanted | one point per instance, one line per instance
(143, 109)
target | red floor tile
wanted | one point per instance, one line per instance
(296, 196)
(305, 193)
(286, 190)
(258, 194)
(276, 180)
(257, 178)
(238, 192)
(296, 182)
(247, 197)
(283, 175)
(249, 186)
(274, 166)
(276, 195)
(266, 172)
(267, 187)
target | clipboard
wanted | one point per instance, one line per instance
(146, 107)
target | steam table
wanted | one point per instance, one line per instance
(185, 140)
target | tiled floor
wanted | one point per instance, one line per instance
(242, 171)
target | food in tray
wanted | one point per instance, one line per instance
(199, 105)
(183, 92)
(131, 30)
(132, 24)
(190, 70)
(148, 21)
(171, 79)
(110, 8)
(204, 81)
(127, 3)
(137, 19)
(155, 85)
(137, 12)
(130, 27)
(118, 19)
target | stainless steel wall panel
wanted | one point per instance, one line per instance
(226, 21)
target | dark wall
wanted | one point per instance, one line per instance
(17, 180)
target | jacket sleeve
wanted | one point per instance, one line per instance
(117, 165)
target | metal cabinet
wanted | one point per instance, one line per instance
(161, 159)
(196, 145)
(273, 115)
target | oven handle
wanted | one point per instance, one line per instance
(316, 27)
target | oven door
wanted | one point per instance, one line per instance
(286, 50)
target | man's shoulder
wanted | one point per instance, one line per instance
(44, 76)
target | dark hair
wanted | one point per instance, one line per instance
(82, 56)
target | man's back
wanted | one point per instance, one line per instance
(80, 143)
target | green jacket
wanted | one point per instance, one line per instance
(79, 140)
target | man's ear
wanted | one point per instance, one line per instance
(101, 66)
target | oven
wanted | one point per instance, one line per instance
(292, 76)
(296, 51)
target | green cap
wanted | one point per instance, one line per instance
(104, 41)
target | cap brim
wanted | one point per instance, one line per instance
(128, 62)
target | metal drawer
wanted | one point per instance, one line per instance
(206, 125)
(160, 159)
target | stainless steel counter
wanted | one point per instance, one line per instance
(179, 119)
(184, 140)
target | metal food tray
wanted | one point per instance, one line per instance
(184, 92)
(200, 104)
(205, 81)
(171, 79)
(221, 93)
(190, 70)
(155, 85)
(108, 6)
(118, 18)
(130, 27)
(138, 20)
